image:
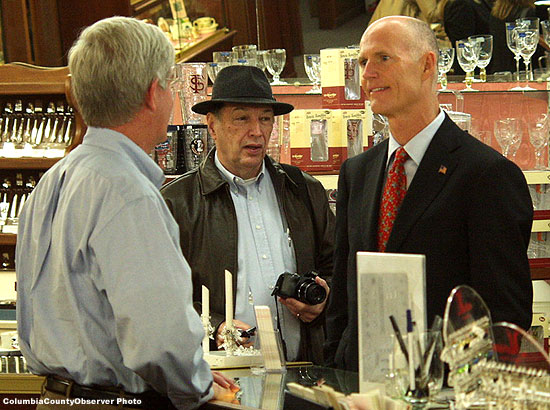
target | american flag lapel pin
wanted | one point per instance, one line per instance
(442, 169)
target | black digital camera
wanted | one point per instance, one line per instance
(303, 288)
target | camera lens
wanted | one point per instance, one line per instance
(311, 293)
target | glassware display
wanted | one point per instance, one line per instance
(275, 63)
(213, 69)
(527, 39)
(511, 42)
(508, 135)
(444, 64)
(245, 54)
(426, 356)
(467, 54)
(260, 62)
(194, 81)
(538, 136)
(485, 44)
(312, 65)
(222, 56)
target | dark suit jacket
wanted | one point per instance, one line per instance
(473, 223)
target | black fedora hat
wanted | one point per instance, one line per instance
(242, 84)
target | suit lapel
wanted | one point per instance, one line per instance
(434, 171)
(370, 203)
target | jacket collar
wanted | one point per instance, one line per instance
(211, 180)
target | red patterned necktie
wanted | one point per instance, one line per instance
(394, 192)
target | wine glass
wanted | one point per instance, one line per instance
(507, 134)
(528, 39)
(312, 64)
(213, 69)
(538, 136)
(546, 31)
(511, 42)
(245, 54)
(444, 64)
(260, 59)
(485, 43)
(275, 62)
(467, 54)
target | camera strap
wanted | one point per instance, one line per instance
(281, 338)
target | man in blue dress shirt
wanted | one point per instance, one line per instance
(104, 295)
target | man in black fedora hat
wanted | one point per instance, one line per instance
(242, 211)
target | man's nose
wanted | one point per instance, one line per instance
(255, 127)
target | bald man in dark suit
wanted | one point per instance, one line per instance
(465, 206)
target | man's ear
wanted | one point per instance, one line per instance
(151, 96)
(430, 65)
(211, 121)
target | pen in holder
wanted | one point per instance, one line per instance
(416, 369)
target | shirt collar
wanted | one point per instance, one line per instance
(235, 181)
(417, 146)
(125, 148)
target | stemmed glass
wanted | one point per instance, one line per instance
(261, 56)
(527, 34)
(507, 134)
(467, 54)
(444, 64)
(312, 65)
(538, 135)
(213, 69)
(485, 43)
(275, 62)
(511, 42)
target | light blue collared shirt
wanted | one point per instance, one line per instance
(264, 251)
(416, 147)
(104, 292)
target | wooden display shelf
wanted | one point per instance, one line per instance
(540, 268)
(203, 47)
(27, 163)
(8, 239)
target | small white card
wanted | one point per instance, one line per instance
(387, 284)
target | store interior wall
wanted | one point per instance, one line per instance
(316, 39)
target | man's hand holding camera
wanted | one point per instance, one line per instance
(305, 296)
(303, 311)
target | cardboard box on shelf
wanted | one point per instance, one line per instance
(315, 140)
(356, 127)
(341, 79)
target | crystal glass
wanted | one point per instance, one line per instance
(507, 134)
(194, 82)
(260, 59)
(527, 41)
(213, 69)
(538, 136)
(275, 63)
(428, 374)
(312, 64)
(245, 54)
(444, 64)
(485, 43)
(467, 54)
(511, 42)
(546, 31)
(222, 56)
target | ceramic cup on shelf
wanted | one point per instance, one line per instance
(205, 25)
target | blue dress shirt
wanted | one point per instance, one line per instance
(264, 251)
(104, 293)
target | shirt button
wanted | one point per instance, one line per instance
(251, 197)
(264, 256)
(271, 287)
(258, 227)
